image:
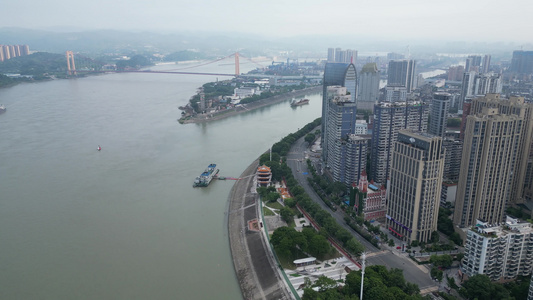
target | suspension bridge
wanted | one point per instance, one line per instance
(77, 63)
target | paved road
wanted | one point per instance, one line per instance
(390, 258)
(297, 162)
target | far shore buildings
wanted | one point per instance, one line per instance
(501, 251)
(341, 56)
(522, 62)
(11, 51)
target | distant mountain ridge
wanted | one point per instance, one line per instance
(111, 41)
(223, 43)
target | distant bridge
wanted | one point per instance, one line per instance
(87, 65)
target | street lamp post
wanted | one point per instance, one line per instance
(363, 256)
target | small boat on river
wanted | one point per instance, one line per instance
(300, 102)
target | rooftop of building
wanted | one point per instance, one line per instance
(263, 168)
(400, 104)
(373, 187)
(359, 137)
(511, 226)
(370, 68)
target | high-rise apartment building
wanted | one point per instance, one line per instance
(395, 94)
(473, 63)
(11, 51)
(440, 104)
(395, 56)
(331, 55)
(479, 84)
(401, 73)
(452, 166)
(368, 87)
(415, 185)
(522, 62)
(455, 73)
(342, 56)
(389, 119)
(336, 74)
(500, 251)
(485, 66)
(488, 166)
(522, 183)
(346, 152)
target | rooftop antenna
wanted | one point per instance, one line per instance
(408, 52)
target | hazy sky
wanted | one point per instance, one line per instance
(466, 20)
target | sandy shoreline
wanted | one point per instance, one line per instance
(253, 105)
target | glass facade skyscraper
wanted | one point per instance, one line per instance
(337, 74)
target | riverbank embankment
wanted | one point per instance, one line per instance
(256, 271)
(251, 106)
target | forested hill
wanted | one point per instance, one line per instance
(35, 64)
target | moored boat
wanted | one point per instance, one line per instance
(205, 178)
(299, 102)
(2, 108)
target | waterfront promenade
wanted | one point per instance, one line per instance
(255, 267)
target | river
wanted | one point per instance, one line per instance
(123, 222)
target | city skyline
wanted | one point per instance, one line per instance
(452, 21)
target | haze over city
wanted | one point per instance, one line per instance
(472, 21)
(266, 149)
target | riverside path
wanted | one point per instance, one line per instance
(256, 270)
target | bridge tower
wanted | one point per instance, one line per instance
(71, 67)
(237, 72)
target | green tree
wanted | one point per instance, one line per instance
(354, 246)
(435, 237)
(319, 246)
(272, 197)
(324, 283)
(309, 138)
(290, 202)
(286, 214)
(436, 273)
(479, 286)
(456, 238)
(262, 191)
(443, 261)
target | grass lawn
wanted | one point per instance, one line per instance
(275, 205)
(268, 212)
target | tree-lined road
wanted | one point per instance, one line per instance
(390, 258)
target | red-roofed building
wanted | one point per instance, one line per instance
(264, 176)
(372, 200)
